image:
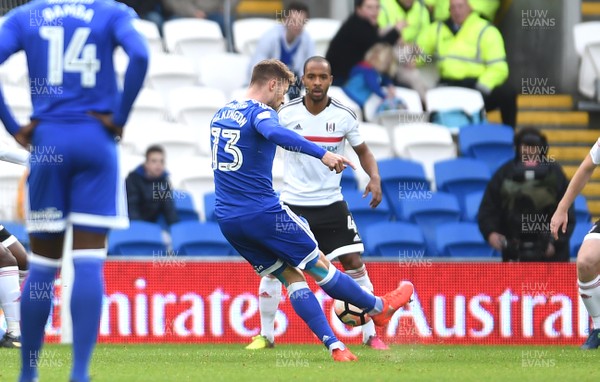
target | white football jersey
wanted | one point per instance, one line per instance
(306, 181)
(595, 153)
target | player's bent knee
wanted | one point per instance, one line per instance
(288, 275)
(351, 261)
(588, 258)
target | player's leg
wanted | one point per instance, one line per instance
(588, 279)
(10, 293)
(17, 250)
(355, 268)
(269, 296)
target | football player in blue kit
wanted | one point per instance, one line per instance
(78, 114)
(266, 233)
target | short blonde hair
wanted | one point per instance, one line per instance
(382, 52)
(267, 70)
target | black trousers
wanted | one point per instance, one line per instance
(502, 97)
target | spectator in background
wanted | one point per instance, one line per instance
(149, 193)
(470, 53)
(205, 9)
(373, 76)
(355, 37)
(289, 43)
(151, 10)
(517, 207)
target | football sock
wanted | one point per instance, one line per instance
(36, 300)
(341, 287)
(306, 306)
(590, 294)
(10, 291)
(269, 296)
(86, 308)
(361, 276)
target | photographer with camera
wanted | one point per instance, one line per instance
(516, 209)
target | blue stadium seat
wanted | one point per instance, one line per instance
(462, 239)
(429, 213)
(472, 203)
(393, 239)
(402, 179)
(363, 214)
(184, 204)
(348, 180)
(581, 229)
(19, 231)
(582, 213)
(199, 239)
(209, 206)
(491, 143)
(461, 177)
(141, 238)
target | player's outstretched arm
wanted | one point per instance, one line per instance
(369, 164)
(336, 162)
(582, 176)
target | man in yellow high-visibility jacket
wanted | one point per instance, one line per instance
(486, 8)
(470, 53)
(413, 12)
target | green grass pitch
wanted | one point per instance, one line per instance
(164, 363)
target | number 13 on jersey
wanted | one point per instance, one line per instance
(232, 136)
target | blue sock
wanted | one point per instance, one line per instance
(307, 307)
(343, 287)
(86, 308)
(36, 301)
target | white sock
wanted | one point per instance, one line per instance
(10, 292)
(361, 276)
(590, 294)
(269, 296)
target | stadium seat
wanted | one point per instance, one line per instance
(14, 71)
(224, 71)
(461, 239)
(149, 107)
(199, 239)
(141, 238)
(322, 31)
(248, 32)
(194, 175)
(167, 72)
(339, 94)
(178, 140)
(585, 33)
(193, 37)
(389, 119)
(185, 206)
(150, 31)
(464, 106)
(196, 106)
(461, 176)
(577, 238)
(429, 213)
(582, 213)
(363, 214)
(426, 143)
(348, 182)
(472, 203)
(10, 175)
(378, 140)
(402, 179)
(18, 100)
(589, 72)
(19, 231)
(209, 206)
(491, 143)
(394, 239)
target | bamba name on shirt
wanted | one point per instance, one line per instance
(77, 11)
(233, 115)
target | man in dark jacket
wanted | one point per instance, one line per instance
(355, 37)
(149, 193)
(515, 213)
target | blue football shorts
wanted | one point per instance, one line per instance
(74, 178)
(269, 240)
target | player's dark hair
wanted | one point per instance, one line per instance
(267, 70)
(358, 3)
(530, 136)
(154, 149)
(316, 59)
(296, 6)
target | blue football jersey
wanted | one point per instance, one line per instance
(69, 46)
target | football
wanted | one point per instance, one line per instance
(350, 314)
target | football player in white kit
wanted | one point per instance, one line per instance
(588, 258)
(313, 192)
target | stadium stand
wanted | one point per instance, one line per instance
(401, 179)
(140, 239)
(248, 31)
(322, 31)
(461, 239)
(394, 239)
(363, 214)
(193, 38)
(490, 143)
(199, 239)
